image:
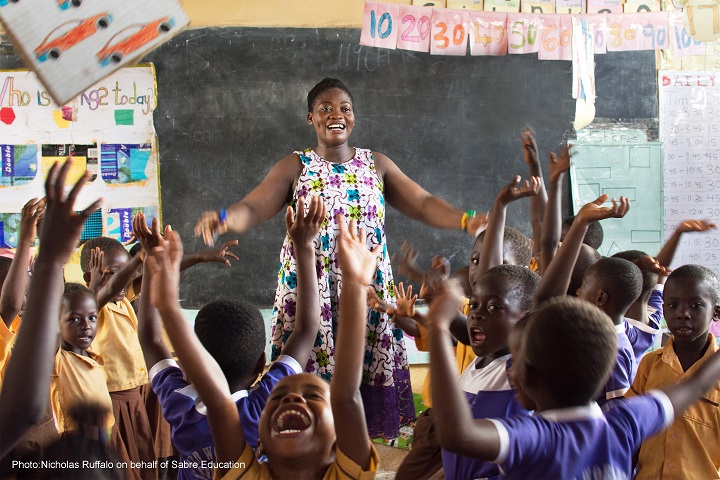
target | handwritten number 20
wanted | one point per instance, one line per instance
(423, 28)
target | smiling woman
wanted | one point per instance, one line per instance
(356, 183)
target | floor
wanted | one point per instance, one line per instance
(390, 460)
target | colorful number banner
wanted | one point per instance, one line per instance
(443, 31)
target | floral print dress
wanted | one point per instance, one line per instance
(355, 190)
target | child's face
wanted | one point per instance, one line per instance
(78, 322)
(113, 261)
(297, 421)
(589, 289)
(689, 308)
(474, 272)
(494, 309)
(332, 117)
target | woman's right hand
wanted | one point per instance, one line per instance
(209, 227)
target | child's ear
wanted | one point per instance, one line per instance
(602, 298)
(86, 277)
(716, 313)
(260, 365)
(310, 118)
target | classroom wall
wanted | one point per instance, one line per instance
(277, 13)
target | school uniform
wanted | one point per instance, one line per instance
(642, 335)
(7, 340)
(186, 414)
(690, 447)
(489, 395)
(77, 379)
(580, 442)
(622, 373)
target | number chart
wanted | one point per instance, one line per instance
(689, 104)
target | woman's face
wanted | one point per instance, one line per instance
(332, 117)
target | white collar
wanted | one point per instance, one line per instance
(573, 414)
(504, 358)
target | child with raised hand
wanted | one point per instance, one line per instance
(24, 399)
(221, 327)
(538, 202)
(78, 372)
(14, 284)
(552, 219)
(690, 448)
(297, 428)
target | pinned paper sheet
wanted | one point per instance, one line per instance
(681, 41)
(378, 28)
(556, 38)
(508, 6)
(604, 6)
(71, 46)
(415, 28)
(524, 35)
(487, 33)
(449, 32)
(570, 6)
(702, 19)
(583, 73)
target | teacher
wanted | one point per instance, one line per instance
(354, 182)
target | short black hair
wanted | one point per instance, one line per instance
(74, 290)
(325, 85)
(701, 274)
(519, 245)
(594, 235)
(572, 345)
(233, 332)
(650, 279)
(621, 279)
(523, 282)
(586, 257)
(106, 244)
(135, 249)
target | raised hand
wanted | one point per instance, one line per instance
(164, 262)
(98, 277)
(357, 263)
(558, 166)
(445, 303)
(594, 211)
(478, 223)
(377, 303)
(209, 227)
(529, 146)
(220, 255)
(306, 225)
(148, 238)
(512, 191)
(32, 212)
(405, 301)
(695, 226)
(647, 263)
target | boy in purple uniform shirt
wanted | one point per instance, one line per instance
(234, 334)
(563, 357)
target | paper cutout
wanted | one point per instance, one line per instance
(72, 48)
(523, 33)
(414, 34)
(702, 19)
(121, 163)
(556, 38)
(538, 6)
(681, 41)
(118, 221)
(487, 33)
(449, 32)
(465, 4)
(604, 6)
(7, 115)
(124, 117)
(570, 6)
(508, 6)
(19, 164)
(379, 29)
(84, 157)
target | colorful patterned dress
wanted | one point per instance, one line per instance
(354, 189)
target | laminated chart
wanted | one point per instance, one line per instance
(107, 131)
(689, 104)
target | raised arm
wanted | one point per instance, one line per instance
(667, 253)
(16, 281)
(261, 204)
(303, 230)
(116, 282)
(219, 255)
(538, 202)
(552, 221)
(24, 396)
(149, 323)
(456, 429)
(556, 279)
(358, 266)
(491, 254)
(414, 201)
(200, 367)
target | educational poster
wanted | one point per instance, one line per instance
(621, 162)
(107, 130)
(71, 44)
(689, 104)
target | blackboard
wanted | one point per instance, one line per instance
(232, 101)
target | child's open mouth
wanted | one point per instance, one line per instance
(291, 421)
(477, 337)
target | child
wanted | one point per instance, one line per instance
(612, 284)
(222, 326)
(27, 377)
(566, 353)
(15, 279)
(78, 373)
(690, 448)
(296, 426)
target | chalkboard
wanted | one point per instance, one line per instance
(232, 101)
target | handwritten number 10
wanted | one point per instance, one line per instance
(378, 26)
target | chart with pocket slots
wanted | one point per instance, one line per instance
(689, 104)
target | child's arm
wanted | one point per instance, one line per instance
(112, 284)
(457, 430)
(221, 255)
(491, 254)
(537, 202)
(149, 323)
(303, 231)
(552, 221)
(667, 253)
(200, 367)
(15, 284)
(556, 280)
(408, 263)
(24, 396)
(687, 392)
(358, 265)
(404, 314)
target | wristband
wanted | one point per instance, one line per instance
(463, 221)
(223, 216)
